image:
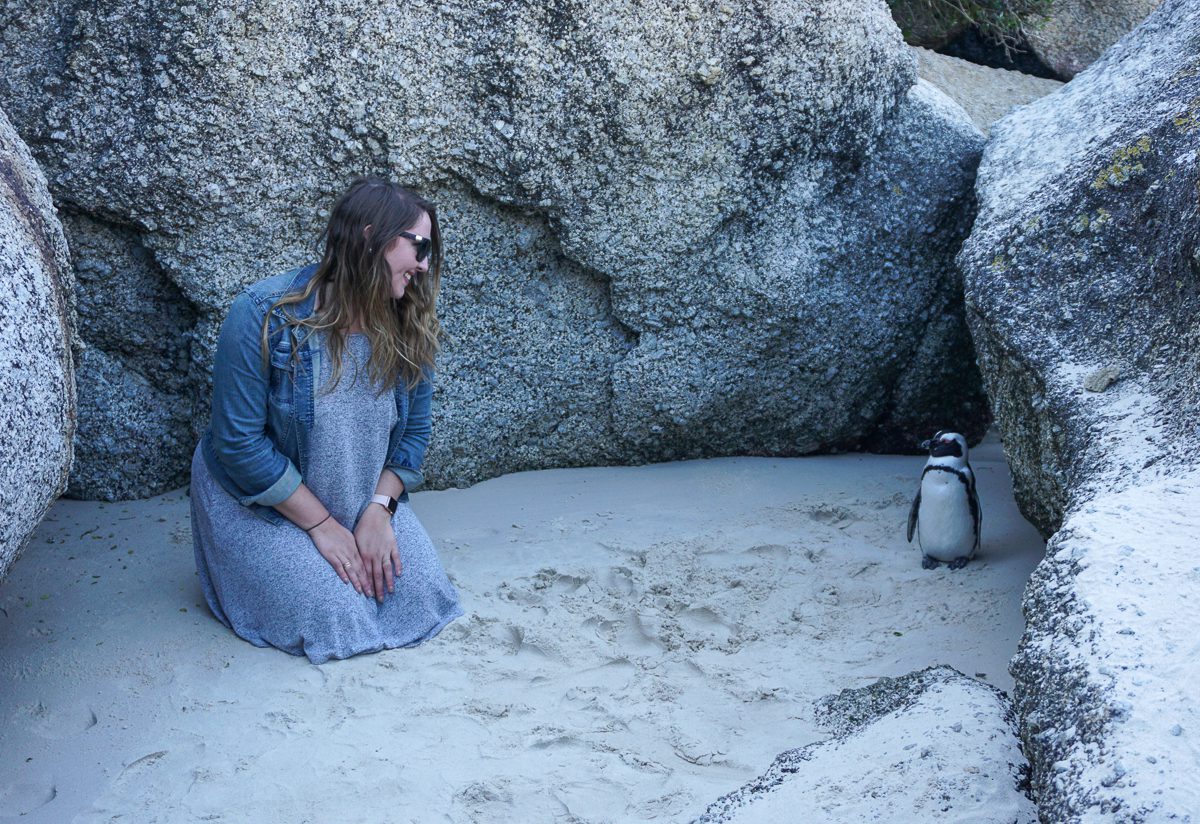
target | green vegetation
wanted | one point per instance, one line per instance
(933, 22)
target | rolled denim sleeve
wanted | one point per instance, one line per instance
(407, 445)
(239, 415)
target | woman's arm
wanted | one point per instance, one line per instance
(241, 383)
(239, 413)
(377, 541)
(336, 544)
(401, 473)
(406, 448)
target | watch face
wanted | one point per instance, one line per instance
(387, 502)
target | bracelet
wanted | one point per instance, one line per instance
(318, 523)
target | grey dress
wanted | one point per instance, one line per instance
(269, 584)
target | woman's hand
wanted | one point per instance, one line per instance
(377, 549)
(338, 546)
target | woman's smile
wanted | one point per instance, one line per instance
(401, 256)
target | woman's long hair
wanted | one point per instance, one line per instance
(355, 285)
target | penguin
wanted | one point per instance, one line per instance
(945, 514)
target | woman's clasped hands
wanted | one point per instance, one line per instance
(367, 558)
(377, 550)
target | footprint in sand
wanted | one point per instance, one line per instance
(548, 737)
(625, 632)
(850, 593)
(814, 556)
(282, 722)
(307, 681)
(24, 797)
(545, 583)
(490, 800)
(703, 623)
(620, 582)
(835, 516)
(770, 552)
(476, 631)
(56, 723)
(898, 499)
(671, 805)
(518, 643)
(480, 794)
(555, 581)
(643, 764)
(694, 751)
(137, 769)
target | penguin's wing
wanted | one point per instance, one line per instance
(976, 510)
(912, 515)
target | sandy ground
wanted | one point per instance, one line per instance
(637, 642)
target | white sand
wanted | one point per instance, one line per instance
(637, 642)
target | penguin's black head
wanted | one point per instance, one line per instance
(945, 445)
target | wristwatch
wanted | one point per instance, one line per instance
(387, 502)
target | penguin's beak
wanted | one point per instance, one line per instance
(925, 444)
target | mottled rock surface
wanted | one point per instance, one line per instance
(674, 230)
(1083, 288)
(1076, 32)
(985, 93)
(133, 372)
(37, 387)
(933, 745)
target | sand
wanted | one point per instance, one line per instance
(637, 642)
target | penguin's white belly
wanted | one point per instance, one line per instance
(945, 528)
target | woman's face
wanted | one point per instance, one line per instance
(401, 256)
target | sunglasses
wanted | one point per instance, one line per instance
(422, 244)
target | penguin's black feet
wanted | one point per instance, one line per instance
(928, 562)
(959, 563)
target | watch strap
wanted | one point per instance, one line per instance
(387, 502)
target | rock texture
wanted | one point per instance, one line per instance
(933, 745)
(1076, 32)
(675, 230)
(37, 387)
(135, 402)
(985, 93)
(1083, 289)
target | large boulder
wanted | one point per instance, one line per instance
(37, 386)
(674, 231)
(987, 94)
(1075, 33)
(1082, 281)
(933, 745)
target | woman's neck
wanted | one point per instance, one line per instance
(355, 326)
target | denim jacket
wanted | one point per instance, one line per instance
(258, 442)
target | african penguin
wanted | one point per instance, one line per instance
(945, 513)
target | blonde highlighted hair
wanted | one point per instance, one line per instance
(354, 282)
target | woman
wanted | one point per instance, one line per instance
(303, 535)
